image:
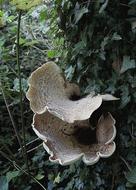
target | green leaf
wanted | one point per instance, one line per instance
(130, 185)
(25, 4)
(12, 174)
(104, 42)
(22, 41)
(116, 36)
(16, 85)
(39, 176)
(125, 96)
(43, 15)
(1, 13)
(69, 72)
(133, 26)
(131, 176)
(103, 7)
(57, 178)
(127, 64)
(79, 13)
(132, 2)
(30, 43)
(3, 18)
(52, 53)
(121, 187)
(28, 188)
(3, 183)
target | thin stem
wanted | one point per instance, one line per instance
(20, 169)
(123, 4)
(113, 181)
(126, 163)
(7, 149)
(5, 156)
(34, 148)
(20, 87)
(29, 143)
(12, 121)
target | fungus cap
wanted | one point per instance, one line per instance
(48, 90)
(60, 139)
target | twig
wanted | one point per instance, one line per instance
(20, 86)
(42, 51)
(5, 156)
(11, 69)
(12, 121)
(113, 179)
(125, 162)
(30, 142)
(123, 4)
(8, 150)
(104, 5)
(20, 169)
(34, 148)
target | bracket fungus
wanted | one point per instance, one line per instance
(63, 122)
(67, 143)
(48, 90)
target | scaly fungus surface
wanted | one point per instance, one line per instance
(63, 123)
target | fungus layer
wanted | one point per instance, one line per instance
(67, 142)
(48, 90)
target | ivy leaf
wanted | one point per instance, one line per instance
(104, 43)
(16, 85)
(79, 14)
(133, 26)
(130, 185)
(3, 183)
(12, 174)
(25, 4)
(132, 2)
(4, 180)
(57, 178)
(121, 187)
(127, 64)
(103, 7)
(39, 176)
(125, 96)
(69, 72)
(28, 188)
(131, 176)
(116, 36)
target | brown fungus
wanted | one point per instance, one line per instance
(48, 90)
(61, 118)
(62, 143)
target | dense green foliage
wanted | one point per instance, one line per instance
(101, 38)
(94, 42)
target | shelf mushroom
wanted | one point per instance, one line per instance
(67, 143)
(48, 90)
(63, 122)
